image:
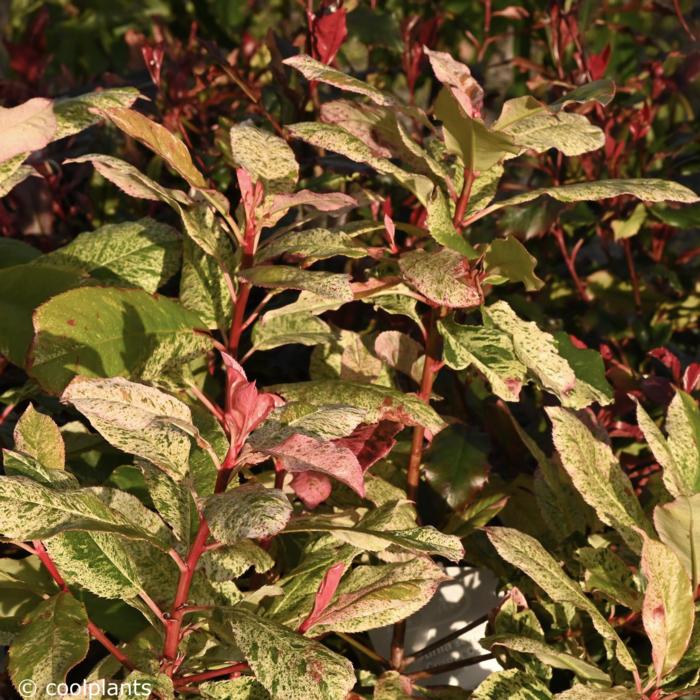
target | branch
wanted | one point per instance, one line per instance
(215, 673)
(452, 666)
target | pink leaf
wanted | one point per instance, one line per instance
(324, 595)
(278, 205)
(302, 453)
(312, 488)
(669, 360)
(458, 77)
(691, 377)
(27, 127)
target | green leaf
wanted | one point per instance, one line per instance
(107, 332)
(668, 610)
(527, 554)
(380, 403)
(140, 253)
(54, 639)
(288, 665)
(32, 511)
(136, 419)
(601, 91)
(14, 251)
(597, 475)
(550, 656)
(441, 228)
(507, 260)
(22, 289)
(547, 359)
(456, 463)
(250, 511)
(533, 126)
(678, 525)
(266, 157)
(156, 137)
(479, 147)
(131, 180)
(301, 328)
(311, 244)
(489, 350)
(630, 227)
(375, 596)
(27, 127)
(511, 685)
(327, 284)
(442, 277)
(679, 455)
(38, 436)
(243, 688)
(73, 114)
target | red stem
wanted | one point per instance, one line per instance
(93, 629)
(627, 246)
(580, 286)
(215, 673)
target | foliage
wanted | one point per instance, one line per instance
(389, 254)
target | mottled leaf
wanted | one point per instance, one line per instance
(301, 328)
(27, 127)
(243, 688)
(678, 525)
(312, 245)
(38, 436)
(328, 284)
(441, 228)
(511, 685)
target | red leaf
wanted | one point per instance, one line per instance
(312, 488)
(328, 34)
(324, 595)
(691, 377)
(598, 63)
(669, 360)
(369, 443)
(153, 58)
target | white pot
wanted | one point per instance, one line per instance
(470, 594)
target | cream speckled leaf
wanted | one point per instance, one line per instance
(534, 127)
(592, 692)
(38, 436)
(301, 328)
(608, 573)
(527, 554)
(129, 416)
(550, 656)
(290, 666)
(53, 640)
(265, 156)
(547, 359)
(156, 137)
(97, 561)
(237, 689)
(22, 464)
(683, 426)
(336, 139)
(646, 189)
(32, 511)
(598, 477)
(171, 498)
(441, 277)
(380, 403)
(328, 284)
(489, 350)
(678, 525)
(203, 287)
(314, 70)
(250, 511)
(512, 684)
(311, 244)
(143, 253)
(73, 114)
(228, 563)
(668, 609)
(26, 127)
(374, 596)
(372, 533)
(109, 331)
(12, 172)
(204, 228)
(441, 228)
(484, 188)
(131, 180)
